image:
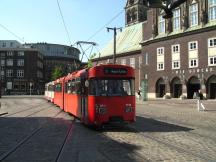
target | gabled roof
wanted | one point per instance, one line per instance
(126, 41)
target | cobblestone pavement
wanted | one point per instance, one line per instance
(165, 130)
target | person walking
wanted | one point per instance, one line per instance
(139, 94)
(199, 102)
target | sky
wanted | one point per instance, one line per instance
(33, 21)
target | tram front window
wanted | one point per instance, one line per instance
(111, 87)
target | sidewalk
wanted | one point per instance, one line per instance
(2, 109)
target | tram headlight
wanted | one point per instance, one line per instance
(128, 108)
(101, 109)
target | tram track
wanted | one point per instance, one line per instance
(180, 148)
(61, 151)
(24, 140)
(183, 124)
(24, 110)
(125, 146)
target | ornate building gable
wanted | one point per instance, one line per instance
(135, 12)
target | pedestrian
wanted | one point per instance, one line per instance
(199, 102)
(139, 94)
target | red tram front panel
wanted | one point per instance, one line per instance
(110, 110)
(111, 94)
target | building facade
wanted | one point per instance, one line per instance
(57, 55)
(178, 55)
(21, 71)
(128, 47)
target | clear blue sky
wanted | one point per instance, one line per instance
(40, 20)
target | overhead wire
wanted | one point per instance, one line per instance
(12, 33)
(62, 17)
(104, 26)
(111, 20)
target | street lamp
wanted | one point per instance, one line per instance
(114, 49)
(166, 5)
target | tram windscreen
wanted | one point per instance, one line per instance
(111, 87)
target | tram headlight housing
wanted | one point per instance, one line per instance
(101, 109)
(128, 108)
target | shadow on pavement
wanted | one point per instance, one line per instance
(82, 144)
(151, 125)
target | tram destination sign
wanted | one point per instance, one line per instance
(115, 71)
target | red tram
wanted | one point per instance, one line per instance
(103, 94)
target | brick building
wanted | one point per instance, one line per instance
(21, 70)
(178, 55)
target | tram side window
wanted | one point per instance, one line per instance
(78, 87)
(74, 87)
(68, 87)
(50, 88)
(58, 87)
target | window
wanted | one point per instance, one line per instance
(123, 61)
(193, 63)
(9, 73)
(193, 45)
(20, 62)
(20, 73)
(212, 42)
(9, 53)
(176, 19)
(9, 62)
(2, 73)
(175, 48)
(11, 44)
(161, 24)
(20, 53)
(212, 9)
(194, 14)
(132, 62)
(176, 65)
(212, 60)
(160, 66)
(2, 55)
(146, 58)
(111, 87)
(160, 51)
(58, 87)
(140, 61)
(2, 62)
(4, 44)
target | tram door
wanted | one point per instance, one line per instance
(84, 102)
(213, 90)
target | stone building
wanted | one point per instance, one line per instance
(178, 55)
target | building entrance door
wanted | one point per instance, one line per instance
(213, 91)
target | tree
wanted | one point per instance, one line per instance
(90, 62)
(57, 72)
